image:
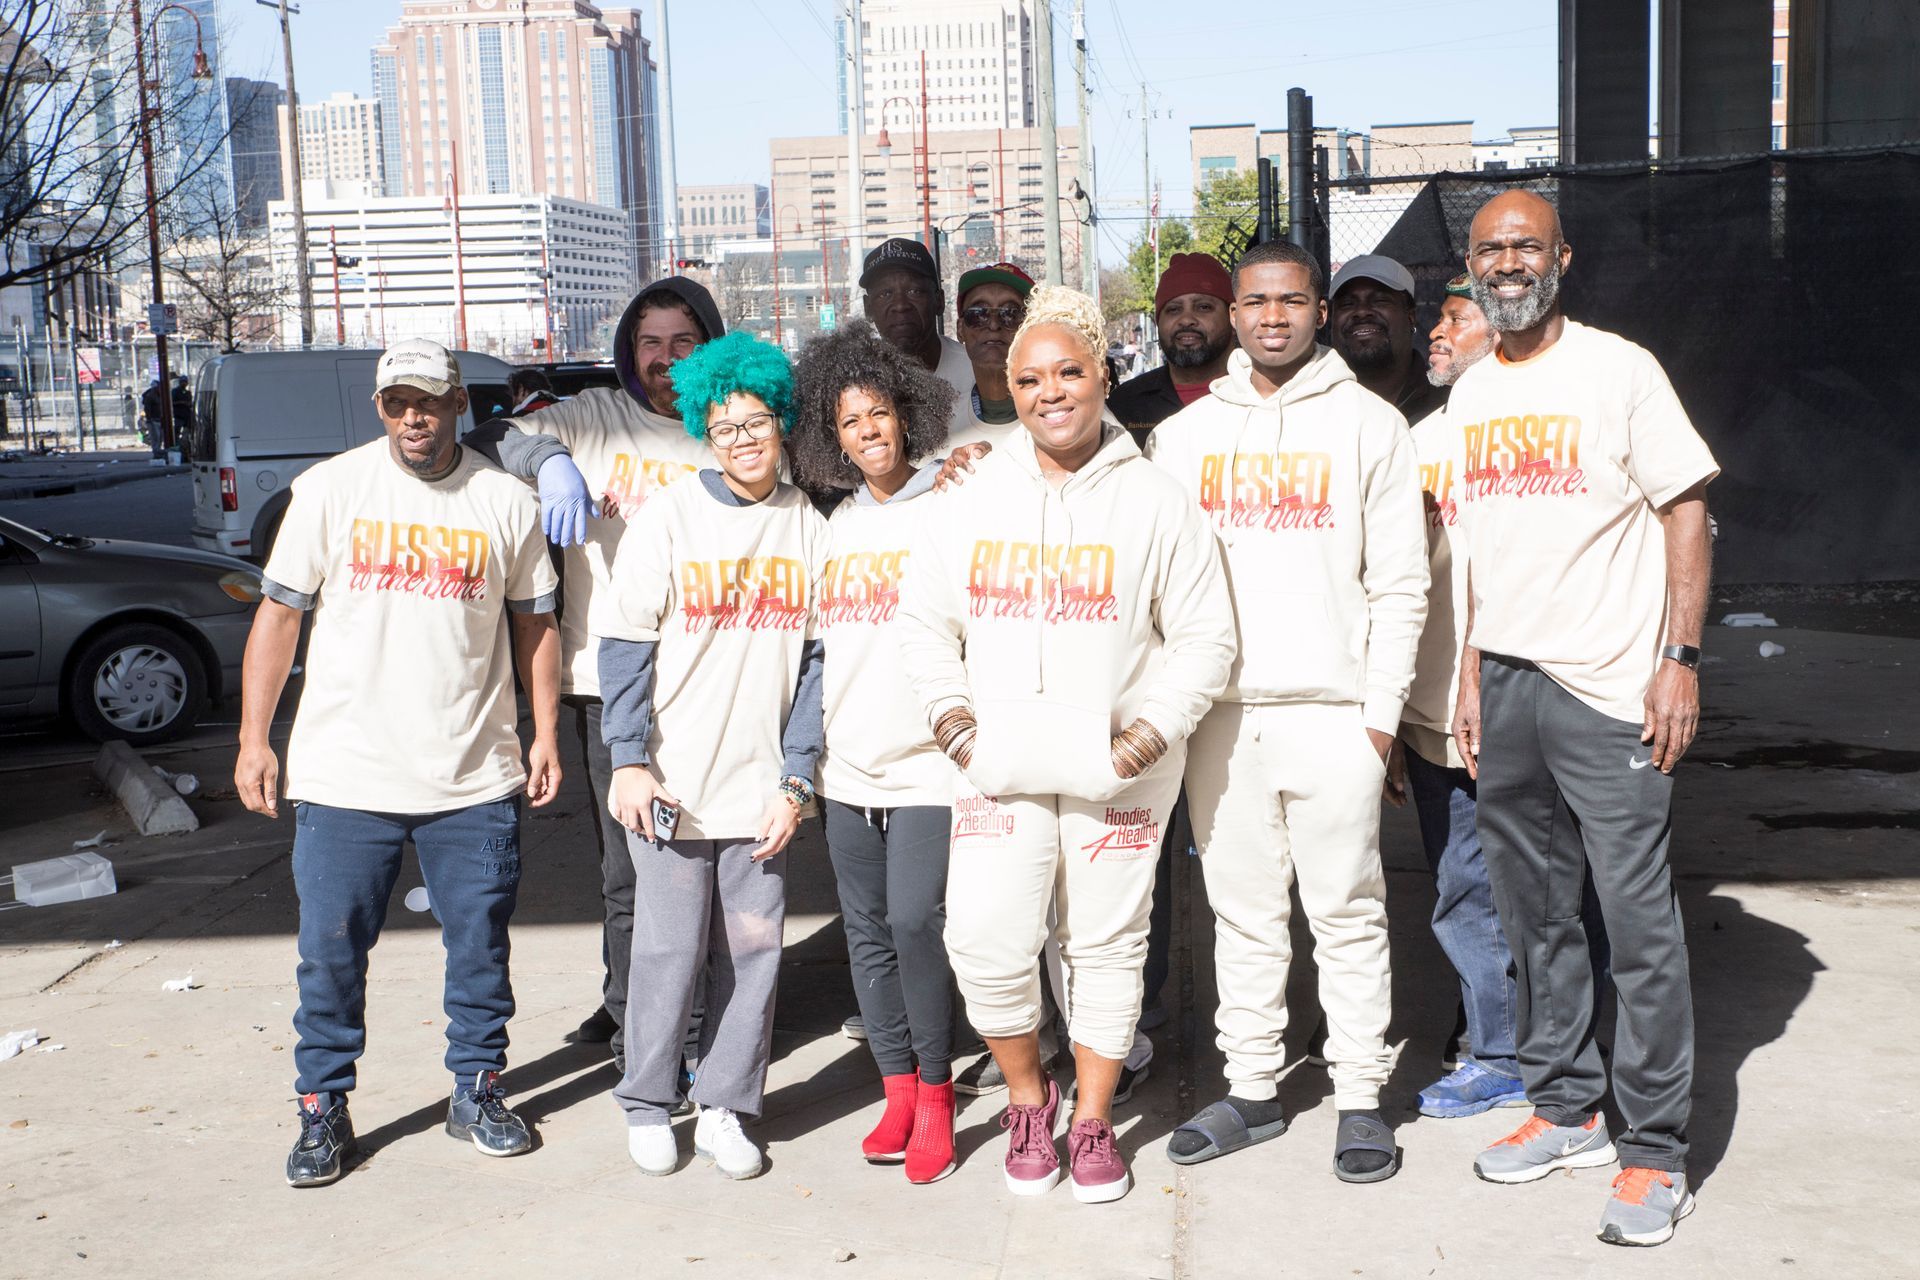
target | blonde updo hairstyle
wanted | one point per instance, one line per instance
(1051, 304)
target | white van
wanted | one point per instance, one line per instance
(261, 418)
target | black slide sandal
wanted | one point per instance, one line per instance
(1225, 1130)
(1358, 1133)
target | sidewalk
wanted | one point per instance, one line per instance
(153, 1143)
(36, 476)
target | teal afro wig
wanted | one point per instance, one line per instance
(738, 362)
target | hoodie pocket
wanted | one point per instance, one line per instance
(1040, 747)
(1321, 657)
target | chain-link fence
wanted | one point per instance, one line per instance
(68, 396)
(1780, 293)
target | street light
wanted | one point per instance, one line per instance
(201, 71)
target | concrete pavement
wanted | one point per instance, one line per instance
(154, 1141)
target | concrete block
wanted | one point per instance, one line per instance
(153, 805)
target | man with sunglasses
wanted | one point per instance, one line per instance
(993, 302)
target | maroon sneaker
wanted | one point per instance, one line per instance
(1099, 1172)
(1033, 1166)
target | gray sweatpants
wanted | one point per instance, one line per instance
(701, 904)
(891, 869)
(1541, 745)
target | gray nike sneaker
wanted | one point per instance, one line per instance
(1645, 1205)
(1539, 1146)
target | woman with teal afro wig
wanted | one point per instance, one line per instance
(737, 364)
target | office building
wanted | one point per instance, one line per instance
(533, 96)
(508, 269)
(253, 146)
(971, 59)
(340, 146)
(712, 214)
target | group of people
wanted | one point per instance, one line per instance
(1020, 636)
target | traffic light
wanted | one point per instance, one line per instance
(686, 263)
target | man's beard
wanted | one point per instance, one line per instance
(1369, 358)
(1516, 315)
(1458, 366)
(1197, 357)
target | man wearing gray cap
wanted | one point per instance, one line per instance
(1370, 319)
(418, 561)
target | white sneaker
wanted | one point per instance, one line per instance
(653, 1149)
(717, 1136)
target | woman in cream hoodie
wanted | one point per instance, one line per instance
(1065, 625)
(866, 410)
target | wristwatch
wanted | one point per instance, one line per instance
(1685, 654)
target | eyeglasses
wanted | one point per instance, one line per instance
(1008, 316)
(727, 434)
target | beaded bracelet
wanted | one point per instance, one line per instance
(797, 791)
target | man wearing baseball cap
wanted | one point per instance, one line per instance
(904, 299)
(1370, 319)
(993, 302)
(419, 561)
(1191, 306)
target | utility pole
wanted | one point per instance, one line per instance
(1089, 246)
(856, 178)
(670, 222)
(299, 199)
(1049, 135)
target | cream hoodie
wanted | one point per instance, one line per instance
(1316, 495)
(1062, 614)
(879, 750)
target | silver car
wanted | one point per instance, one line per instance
(128, 640)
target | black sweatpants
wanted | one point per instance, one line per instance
(616, 868)
(891, 868)
(1540, 745)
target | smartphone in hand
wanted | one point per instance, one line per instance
(665, 818)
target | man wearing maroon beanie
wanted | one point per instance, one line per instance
(1190, 306)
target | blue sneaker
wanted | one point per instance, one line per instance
(1469, 1090)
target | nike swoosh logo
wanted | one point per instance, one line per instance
(1638, 764)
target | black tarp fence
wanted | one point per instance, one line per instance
(1782, 295)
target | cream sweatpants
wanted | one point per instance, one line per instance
(1011, 858)
(1279, 792)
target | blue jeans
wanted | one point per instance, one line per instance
(1464, 921)
(345, 864)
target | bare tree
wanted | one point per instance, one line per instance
(219, 271)
(71, 186)
(737, 282)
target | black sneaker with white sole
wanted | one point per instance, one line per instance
(982, 1077)
(325, 1145)
(479, 1114)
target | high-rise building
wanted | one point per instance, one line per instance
(340, 145)
(552, 97)
(253, 146)
(979, 192)
(190, 150)
(968, 64)
(712, 214)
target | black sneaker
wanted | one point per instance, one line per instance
(1123, 1088)
(597, 1029)
(480, 1114)
(326, 1143)
(981, 1078)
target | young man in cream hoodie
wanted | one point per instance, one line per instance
(1311, 484)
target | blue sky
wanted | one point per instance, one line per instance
(748, 70)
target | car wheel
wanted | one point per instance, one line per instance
(140, 683)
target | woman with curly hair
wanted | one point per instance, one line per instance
(867, 411)
(1065, 624)
(711, 677)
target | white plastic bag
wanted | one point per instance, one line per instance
(64, 879)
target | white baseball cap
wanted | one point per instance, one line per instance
(1376, 267)
(420, 363)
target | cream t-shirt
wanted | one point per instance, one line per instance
(408, 703)
(1427, 720)
(728, 594)
(626, 454)
(1565, 459)
(879, 751)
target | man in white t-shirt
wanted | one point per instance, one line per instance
(1583, 508)
(900, 287)
(419, 561)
